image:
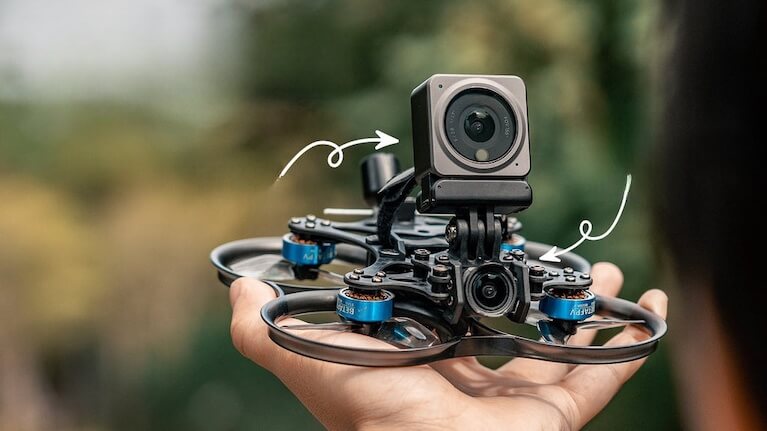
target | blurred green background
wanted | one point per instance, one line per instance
(136, 136)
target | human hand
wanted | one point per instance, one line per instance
(456, 393)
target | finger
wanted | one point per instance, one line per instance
(608, 280)
(591, 387)
(249, 332)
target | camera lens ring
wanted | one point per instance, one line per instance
(494, 119)
(489, 289)
(459, 164)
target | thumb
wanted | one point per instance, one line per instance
(249, 332)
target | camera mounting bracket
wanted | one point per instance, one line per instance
(475, 235)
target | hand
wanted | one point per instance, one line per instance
(457, 393)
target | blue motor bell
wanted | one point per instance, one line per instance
(304, 252)
(517, 242)
(365, 307)
(557, 306)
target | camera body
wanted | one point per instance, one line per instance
(471, 143)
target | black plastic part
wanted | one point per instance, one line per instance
(444, 195)
(391, 197)
(377, 169)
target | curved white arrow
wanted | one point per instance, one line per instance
(586, 227)
(336, 157)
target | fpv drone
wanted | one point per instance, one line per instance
(426, 285)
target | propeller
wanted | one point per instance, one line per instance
(557, 331)
(397, 331)
(274, 267)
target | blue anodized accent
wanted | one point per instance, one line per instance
(364, 311)
(517, 242)
(307, 254)
(568, 309)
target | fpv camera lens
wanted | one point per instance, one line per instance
(490, 291)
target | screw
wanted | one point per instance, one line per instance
(567, 270)
(354, 277)
(421, 254)
(537, 271)
(310, 225)
(451, 233)
(443, 258)
(311, 217)
(295, 220)
(518, 254)
(377, 279)
(359, 271)
(570, 278)
(585, 276)
(380, 274)
(554, 273)
(325, 222)
(440, 270)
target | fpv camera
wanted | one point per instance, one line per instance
(471, 143)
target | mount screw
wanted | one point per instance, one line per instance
(421, 254)
(377, 279)
(359, 271)
(440, 271)
(311, 217)
(567, 270)
(537, 271)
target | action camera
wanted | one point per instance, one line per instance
(471, 143)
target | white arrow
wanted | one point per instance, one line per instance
(585, 228)
(336, 157)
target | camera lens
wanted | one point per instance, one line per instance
(489, 290)
(480, 125)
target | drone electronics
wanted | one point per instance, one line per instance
(406, 285)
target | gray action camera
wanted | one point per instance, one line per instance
(471, 143)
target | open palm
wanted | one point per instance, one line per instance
(450, 394)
